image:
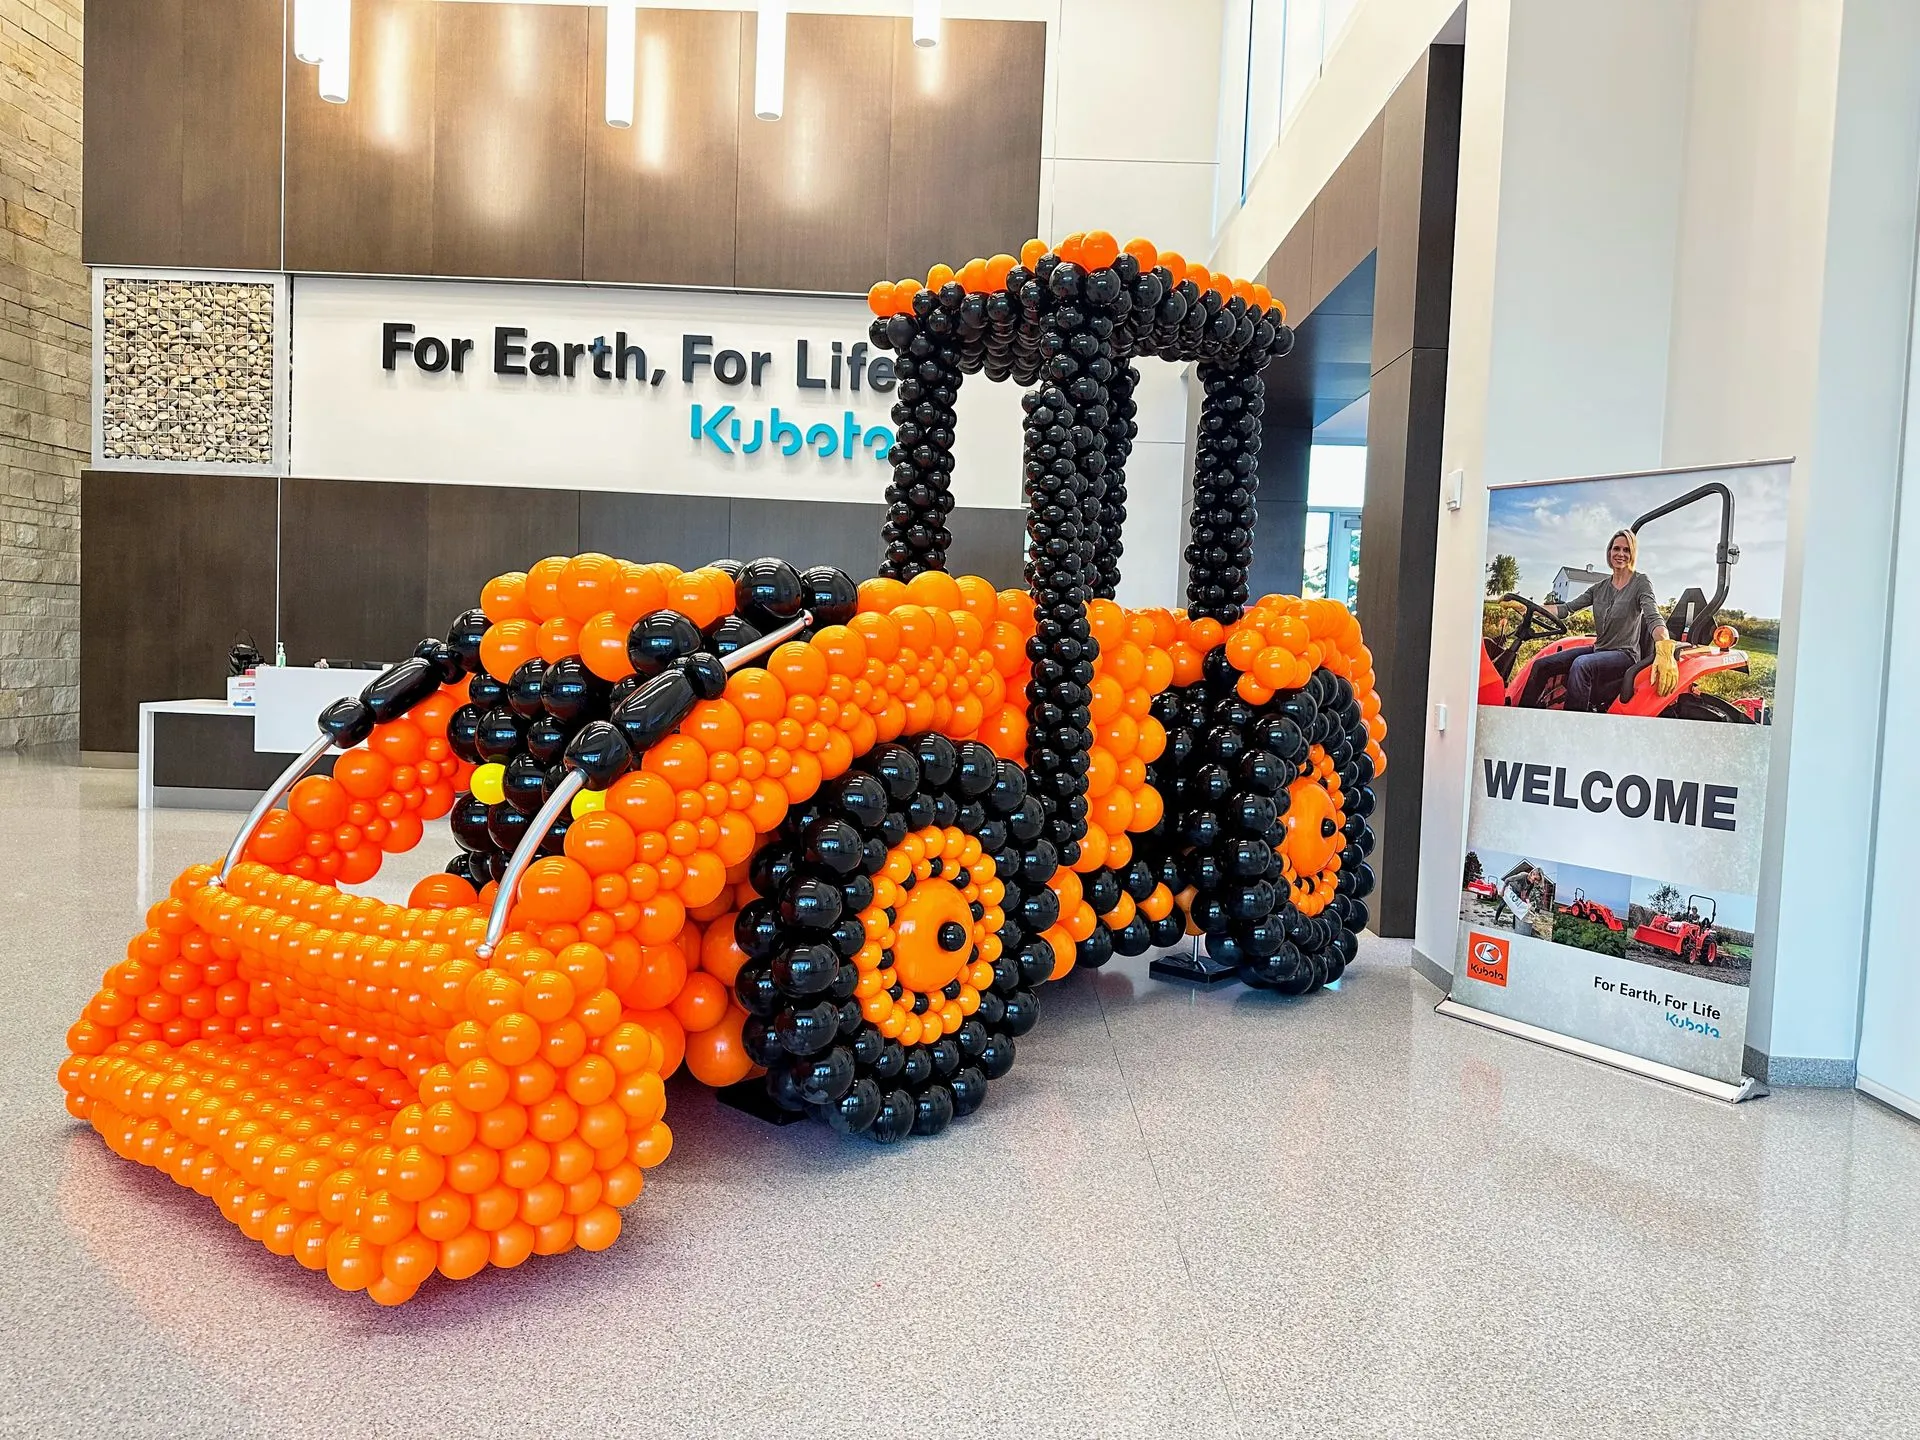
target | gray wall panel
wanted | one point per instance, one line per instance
(845, 535)
(475, 532)
(353, 569)
(175, 565)
(685, 530)
(991, 544)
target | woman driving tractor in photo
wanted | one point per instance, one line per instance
(1621, 605)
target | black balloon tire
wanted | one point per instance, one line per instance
(1312, 951)
(860, 1081)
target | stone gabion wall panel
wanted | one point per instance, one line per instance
(189, 371)
(45, 360)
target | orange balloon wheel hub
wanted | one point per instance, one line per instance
(1313, 836)
(1315, 821)
(932, 936)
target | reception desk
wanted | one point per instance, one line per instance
(214, 755)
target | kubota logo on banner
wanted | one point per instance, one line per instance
(1487, 959)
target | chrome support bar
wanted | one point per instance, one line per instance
(575, 782)
(289, 777)
(754, 649)
(571, 785)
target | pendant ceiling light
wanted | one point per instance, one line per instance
(329, 37)
(620, 61)
(926, 23)
(770, 60)
(306, 30)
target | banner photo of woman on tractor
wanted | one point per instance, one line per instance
(1643, 595)
(1614, 604)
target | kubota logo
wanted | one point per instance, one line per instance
(1486, 959)
(731, 434)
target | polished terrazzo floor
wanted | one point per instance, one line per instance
(1209, 1215)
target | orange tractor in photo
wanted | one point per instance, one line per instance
(1592, 911)
(818, 842)
(1688, 935)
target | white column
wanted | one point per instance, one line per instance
(1573, 120)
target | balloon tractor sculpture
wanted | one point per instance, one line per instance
(817, 841)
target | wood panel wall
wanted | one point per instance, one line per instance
(474, 144)
(178, 564)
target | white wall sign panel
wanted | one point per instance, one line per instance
(588, 387)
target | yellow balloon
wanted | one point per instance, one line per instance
(588, 801)
(488, 785)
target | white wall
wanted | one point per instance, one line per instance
(1686, 234)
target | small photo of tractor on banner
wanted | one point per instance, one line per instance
(1608, 891)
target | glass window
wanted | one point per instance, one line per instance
(1337, 477)
(1236, 63)
(1267, 38)
(1313, 565)
(1300, 65)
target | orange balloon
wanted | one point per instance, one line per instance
(757, 695)
(505, 597)
(715, 724)
(588, 584)
(401, 742)
(720, 954)
(559, 638)
(706, 878)
(278, 838)
(800, 668)
(701, 1004)
(679, 760)
(934, 589)
(441, 891)
(555, 889)
(601, 841)
(403, 833)
(363, 774)
(507, 646)
(717, 1056)
(641, 591)
(1099, 250)
(661, 975)
(603, 646)
(881, 594)
(543, 588)
(644, 800)
(319, 803)
(671, 1035)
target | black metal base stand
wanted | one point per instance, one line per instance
(1193, 967)
(750, 1097)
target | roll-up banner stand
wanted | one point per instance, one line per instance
(1630, 629)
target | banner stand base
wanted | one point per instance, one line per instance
(750, 1097)
(1192, 967)
(1747, 1089)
